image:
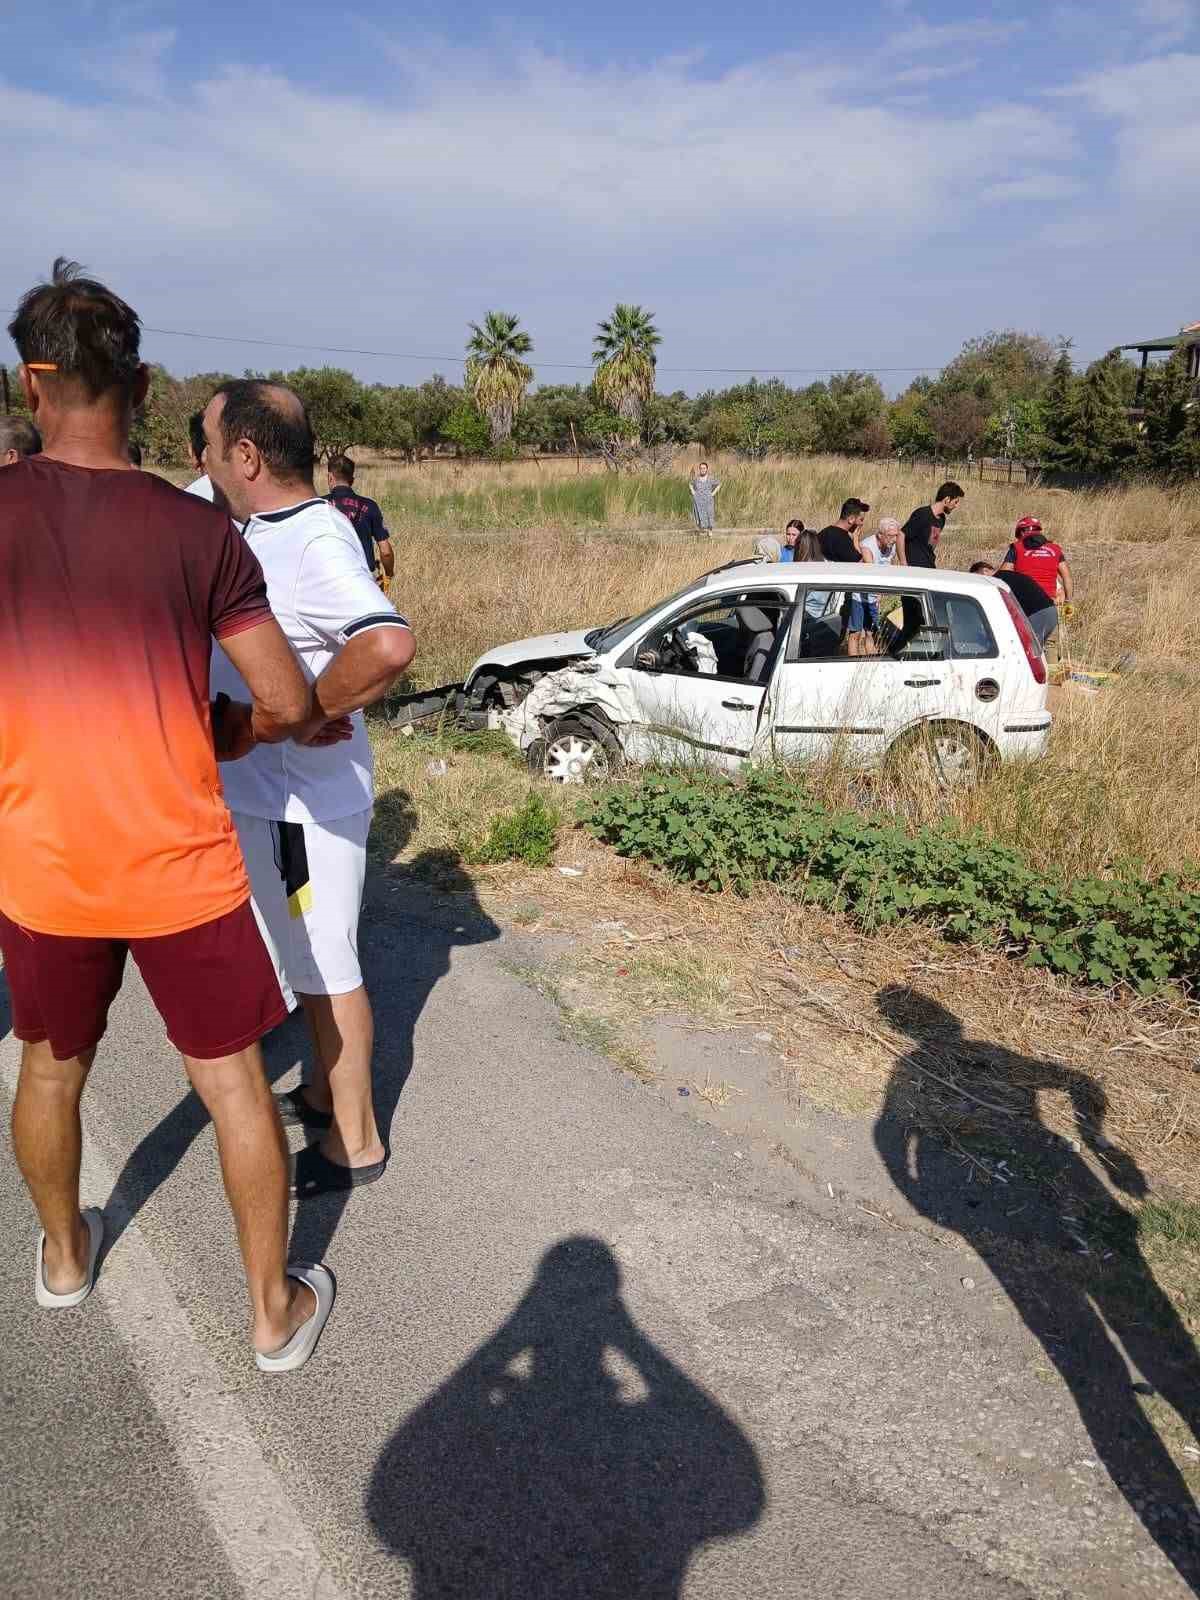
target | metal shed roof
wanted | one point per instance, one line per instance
(1188, 335)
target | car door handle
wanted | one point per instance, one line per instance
(738, 705)
(921, 683)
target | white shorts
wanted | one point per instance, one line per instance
(307, 881)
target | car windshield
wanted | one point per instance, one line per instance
(617, 632)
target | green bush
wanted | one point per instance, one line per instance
(527, 834)
(718, 835)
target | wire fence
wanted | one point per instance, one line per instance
(985, 469)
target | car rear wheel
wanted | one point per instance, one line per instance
(953, 755)
(575, 751)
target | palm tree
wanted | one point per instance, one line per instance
(496, 375)
(624, 359)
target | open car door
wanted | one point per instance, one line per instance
(699, 678)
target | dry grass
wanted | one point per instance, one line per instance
(647, 947)
(467, 594)
(716, 1094)
(554, 495)
(491, 553)
(1120, 782)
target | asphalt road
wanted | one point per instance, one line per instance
(583, 1347)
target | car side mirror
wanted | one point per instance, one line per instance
(648, 660)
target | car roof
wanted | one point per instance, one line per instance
(770, 574)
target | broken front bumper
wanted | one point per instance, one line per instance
(447, 704)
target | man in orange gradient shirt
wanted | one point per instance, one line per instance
(114, 837)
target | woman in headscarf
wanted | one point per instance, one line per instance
(704, 498)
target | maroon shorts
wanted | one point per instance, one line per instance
(214, 986)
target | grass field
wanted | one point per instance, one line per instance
(555, 495)
(488, 554)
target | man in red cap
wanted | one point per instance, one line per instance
(1036, 557)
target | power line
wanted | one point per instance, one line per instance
(564, 366)
(571, 366)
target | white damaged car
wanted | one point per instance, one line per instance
(752, 663)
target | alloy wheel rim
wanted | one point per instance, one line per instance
(573, 759)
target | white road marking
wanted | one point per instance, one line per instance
(264, 1540)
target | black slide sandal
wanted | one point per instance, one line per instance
(313, 1173)
(295, 1111)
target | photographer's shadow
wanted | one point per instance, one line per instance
(568, 1457)
(1067, 1304)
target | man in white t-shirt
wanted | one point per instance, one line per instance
(883, 546)
(201, 486)
(881, 549)
(303, 813)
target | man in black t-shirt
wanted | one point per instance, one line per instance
(1030, 596)
(839, 542)
(924, 528)
(366, 517)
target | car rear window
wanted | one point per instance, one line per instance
(965, 621)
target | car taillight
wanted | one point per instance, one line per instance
(1033, 654)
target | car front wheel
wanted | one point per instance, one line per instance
(575, 751)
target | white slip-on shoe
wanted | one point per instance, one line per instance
(62, 1302)
(303, 1342)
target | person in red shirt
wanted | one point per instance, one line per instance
(1034, 556)
(114, 836)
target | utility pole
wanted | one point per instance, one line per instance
(4, 387)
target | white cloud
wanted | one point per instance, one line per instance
(1169, 21)
(249, 202)
(933, 74)
(1153, 109)
(137, 69)
(533, 152)
(934, 38)
(1035, 186)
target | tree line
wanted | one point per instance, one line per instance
(1005, 393)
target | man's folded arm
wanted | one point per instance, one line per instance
(281, 696)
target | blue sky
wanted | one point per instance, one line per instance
(786, 186)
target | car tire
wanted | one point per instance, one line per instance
(952, 755)
(576, 750)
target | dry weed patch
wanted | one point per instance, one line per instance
(648, 947)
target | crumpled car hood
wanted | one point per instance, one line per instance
(547, 645)
(566, 690)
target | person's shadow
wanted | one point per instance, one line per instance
(566, 1459)
(436, 899)
(400, 972)
(1029, 1233)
